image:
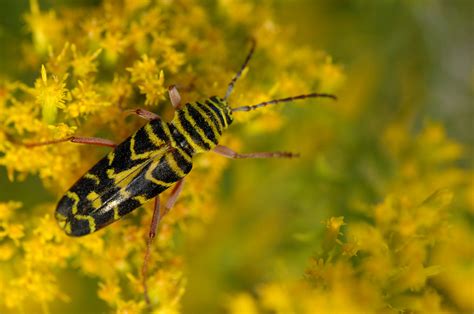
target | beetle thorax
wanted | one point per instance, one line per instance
(201, 124)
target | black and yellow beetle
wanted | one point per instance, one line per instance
(151, 160)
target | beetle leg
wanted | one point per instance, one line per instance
(77, 139)
(151, 235)
(155, 220)
(175, 97)
(229, 153)
(145, 114)
(173, 196)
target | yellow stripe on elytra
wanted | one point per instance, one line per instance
(92, 177)
(159, 142)
(209, 121)
(182, 131)
(174, 165)
(149, 175)
(183, 153)
(197, 128)
(94, 198)
(124, 194)
(152, 136)
(123, 178)
(140, 198)
(90, 219)
(62, 223)
(116, 213)
(60, 216)
(67, 228)
(134, 155)
(75, 198)
(110, 157)
(62, 220)
(120, 176)
(167, 131)
(173, 143)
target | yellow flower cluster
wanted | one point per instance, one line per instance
(90, 66)
(412, 252)
(150, 80)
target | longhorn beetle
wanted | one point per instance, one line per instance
(154, 158)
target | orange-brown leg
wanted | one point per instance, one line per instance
(175, 97)
(151, 235)
(155, 221)
(229, 153)
(145, 114)
(76, 139)
(173, 196)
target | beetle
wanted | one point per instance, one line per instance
(154, 158)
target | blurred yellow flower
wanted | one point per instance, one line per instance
(149, 79)
(50, 95)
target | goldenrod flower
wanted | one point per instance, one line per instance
(150, 80)
(50, 95)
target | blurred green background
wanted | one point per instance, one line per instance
(405, 61)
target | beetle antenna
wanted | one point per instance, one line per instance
(238, 74)
(288, 99)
